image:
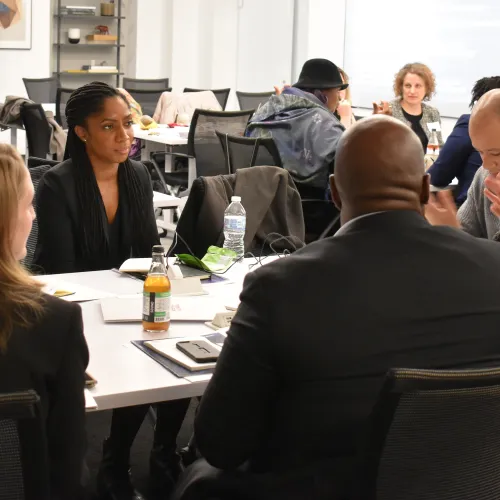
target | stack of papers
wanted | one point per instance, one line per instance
(90, 403)
(129, 309)
(71, 292)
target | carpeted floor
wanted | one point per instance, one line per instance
(97, 429)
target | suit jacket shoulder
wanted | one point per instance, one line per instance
(140, 168)
(61, 173)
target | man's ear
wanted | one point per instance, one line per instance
(335, 194)
(81, 133)
(426, 189)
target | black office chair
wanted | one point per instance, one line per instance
(148, 99)
(63, 95)
(205, 156)
(36, 173)
(24, 470)
(244, 152)
(42, 90)
(38, 130)
(141, 84)
(252, 100)
(434, 434)
(222, 95)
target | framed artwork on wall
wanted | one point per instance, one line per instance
(15, 24)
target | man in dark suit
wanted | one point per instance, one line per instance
(316, 332)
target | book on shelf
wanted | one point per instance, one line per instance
(102, 70)
(77, 10)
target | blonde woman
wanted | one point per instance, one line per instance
(42, 346)
(414, 84)
(344, 109)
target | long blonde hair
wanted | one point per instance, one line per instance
(345, 78)
(21, 298)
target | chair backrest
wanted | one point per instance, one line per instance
(434, 434)
(24, 472)
(63, 95)
(148, 99)
(141, 84)
(252, 100)
(244, 152)
(33, 161)
(38, 130)
(203, 142)
(201, 223)
(222, 95)
(36, 174)
(42, 90)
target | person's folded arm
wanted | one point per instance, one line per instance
(66, 420)
(55, 251)
(452, 157)
(232, 421)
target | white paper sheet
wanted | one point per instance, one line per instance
(81, 293)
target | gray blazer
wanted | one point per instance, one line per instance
(429, 115)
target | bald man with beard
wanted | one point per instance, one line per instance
(480, 214)
(316, 332)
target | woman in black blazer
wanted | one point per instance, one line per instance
(94, 211)
(42, 346)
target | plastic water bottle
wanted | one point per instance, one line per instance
(235, 220)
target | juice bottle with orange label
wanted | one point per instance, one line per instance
(156, 302)
(433, 144)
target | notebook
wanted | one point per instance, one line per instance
(129, 309)
(143, 265)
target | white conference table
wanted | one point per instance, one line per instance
(168, 202)
(168, 138)
(125, 375)
(162, 135)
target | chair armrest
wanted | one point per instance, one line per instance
(169, 156)
(170, 153)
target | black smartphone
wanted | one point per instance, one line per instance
(90, 381)
(198, 350)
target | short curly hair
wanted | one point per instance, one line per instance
(423, 72)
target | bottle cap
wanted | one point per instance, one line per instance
(158, 249)
(235, 198)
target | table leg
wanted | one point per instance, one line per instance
(191, 171)
(144, 150)
(169, 159)
(13, 136)
(167, 222)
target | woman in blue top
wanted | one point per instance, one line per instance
(458, 158)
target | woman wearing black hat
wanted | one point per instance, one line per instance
(302, 122)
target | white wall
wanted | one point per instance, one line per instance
(319, 32)
(149, 38)
(34, 63)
